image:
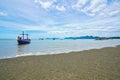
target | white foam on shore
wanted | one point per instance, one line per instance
(27, 54)
(65, 52)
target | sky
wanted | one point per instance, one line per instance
(59, 18)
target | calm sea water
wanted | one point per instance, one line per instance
(10, 48)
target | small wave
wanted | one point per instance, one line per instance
(27, 54)
(59, 52)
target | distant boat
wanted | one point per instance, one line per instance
(22, 40)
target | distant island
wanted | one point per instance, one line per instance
(81, 37)
(105, 38)
(93, 37)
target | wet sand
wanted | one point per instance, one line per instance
(95, 64)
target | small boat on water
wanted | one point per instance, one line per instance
(22, 40)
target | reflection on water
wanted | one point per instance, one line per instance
(21, 49)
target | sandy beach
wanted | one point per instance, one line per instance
(95, 64)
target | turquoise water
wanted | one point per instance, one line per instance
(10, 48)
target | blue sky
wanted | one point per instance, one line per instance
(59, 18)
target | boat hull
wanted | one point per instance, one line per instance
(24, 41)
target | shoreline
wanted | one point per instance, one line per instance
(27, 55)
(95, 64)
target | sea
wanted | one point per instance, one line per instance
(11, 49)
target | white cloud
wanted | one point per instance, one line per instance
(60, 8)
(112, 13)
(98, 8)
(95, 7)
(45, 4)
(50, 4)
(79, 4)
(96, 3)
(111, 9)
(3, 13)
(29, 16)
(57, 32)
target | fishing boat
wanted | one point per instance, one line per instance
(22, 40)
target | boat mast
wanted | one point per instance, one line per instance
(27, 36)
(23, 34)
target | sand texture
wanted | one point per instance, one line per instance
(95, 64)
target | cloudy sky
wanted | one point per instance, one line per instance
(59, 18)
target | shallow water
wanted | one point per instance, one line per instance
(10, 48)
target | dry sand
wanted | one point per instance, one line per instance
(96, 64)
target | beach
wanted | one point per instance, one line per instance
(95, 64)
